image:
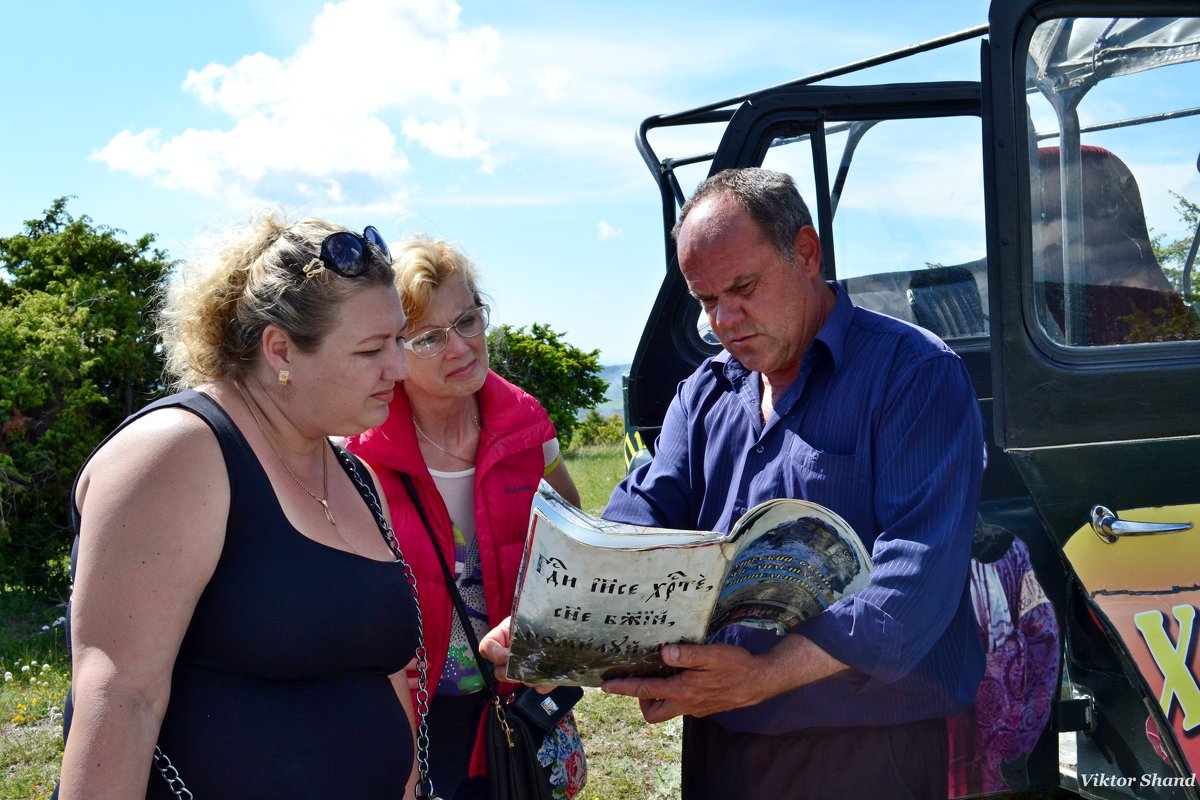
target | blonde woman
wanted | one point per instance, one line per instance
(240, 625)
(474, 448)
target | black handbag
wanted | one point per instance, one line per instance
(513, 730)
(514, 771)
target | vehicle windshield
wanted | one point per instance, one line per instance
(1114, 187)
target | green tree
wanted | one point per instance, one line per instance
(595, 429)
(1172, 256)
(77, 355)
(562, 377)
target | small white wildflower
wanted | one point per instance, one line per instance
(45, 627)
(59, 621)
(25, 668)
(45, 667)
(8, 676)
(33, 663)
(44, 683)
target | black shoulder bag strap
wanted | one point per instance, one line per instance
(520, 775)
(485, 666)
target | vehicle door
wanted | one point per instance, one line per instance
(1092, 139)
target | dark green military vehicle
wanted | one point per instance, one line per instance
(1040, 216)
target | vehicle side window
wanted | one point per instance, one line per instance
(1113, 185)
(908, 219)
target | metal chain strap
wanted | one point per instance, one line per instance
(171, 775)
(425, 789)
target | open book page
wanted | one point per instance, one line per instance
(585, 528)
(585, 612)
(791, 559)
(598, 600)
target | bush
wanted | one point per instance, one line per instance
(562, 377)
(595, 429)
(77, 355)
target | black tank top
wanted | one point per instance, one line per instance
(281, 685)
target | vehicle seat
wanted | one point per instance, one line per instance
(1126, 297)
(946, 301)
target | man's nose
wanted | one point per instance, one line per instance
(726, 314)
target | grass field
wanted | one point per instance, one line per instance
(33, 664)
(596, 470)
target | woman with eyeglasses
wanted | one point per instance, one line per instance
(473, 447)
(240, 623)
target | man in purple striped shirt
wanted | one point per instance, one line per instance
(867, 415)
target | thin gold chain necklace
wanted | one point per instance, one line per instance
(324, 501)
(425, 436)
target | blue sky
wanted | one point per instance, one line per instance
(506, 126)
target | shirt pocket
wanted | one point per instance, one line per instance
(839, 482)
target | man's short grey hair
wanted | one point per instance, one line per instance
(770, 199)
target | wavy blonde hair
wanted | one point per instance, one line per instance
(422, 265)
(214, 310)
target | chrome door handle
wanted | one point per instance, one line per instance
(1109, 527)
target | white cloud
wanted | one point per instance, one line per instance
(452, 138)
(604, 231)
(303, 123)
(381, 89)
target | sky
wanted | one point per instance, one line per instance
(505, 126)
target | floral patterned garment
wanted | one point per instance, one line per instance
(989, 745)
(562, 753)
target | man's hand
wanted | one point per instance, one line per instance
(721, 677)
(715, 677)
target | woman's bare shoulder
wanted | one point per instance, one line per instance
(168, 445)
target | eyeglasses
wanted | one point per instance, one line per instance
(473, 322)
(346, 253)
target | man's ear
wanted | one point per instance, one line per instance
(808, 251)
(277, 348)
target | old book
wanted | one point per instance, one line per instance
(598, 600)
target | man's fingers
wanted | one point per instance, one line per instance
(641, 688)
(655, 711)
(685, 656)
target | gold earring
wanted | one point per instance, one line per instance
(284, 377)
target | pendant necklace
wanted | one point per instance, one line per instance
(324, 501)
(426, 437)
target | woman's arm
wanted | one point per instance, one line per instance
(400, 685)
(562, 482)
(154, 504)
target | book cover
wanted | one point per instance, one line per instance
(597, 600)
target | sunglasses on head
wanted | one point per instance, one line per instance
(345, 253)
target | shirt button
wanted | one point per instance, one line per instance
(759, 449)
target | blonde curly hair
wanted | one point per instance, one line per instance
(422, 265)
(214, 310)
